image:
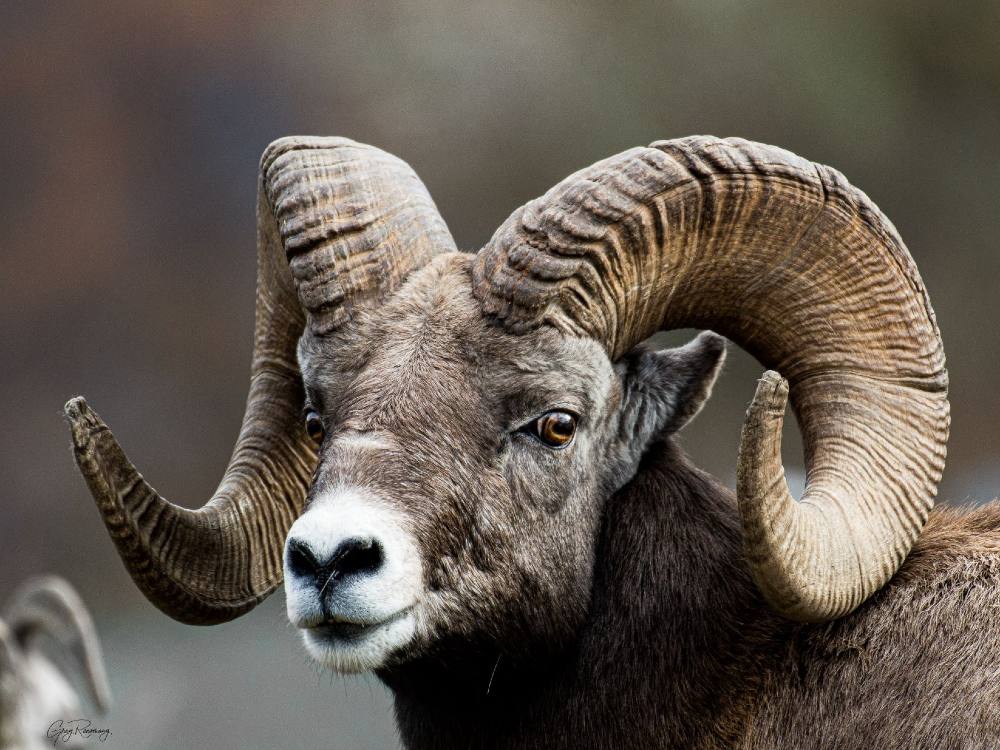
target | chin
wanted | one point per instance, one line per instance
(351, 649)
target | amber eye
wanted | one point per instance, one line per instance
(555, 428)
(314, 426)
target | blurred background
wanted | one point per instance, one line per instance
(129, 140)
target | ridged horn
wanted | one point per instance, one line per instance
(339, 225)
(801, 269)
(355, 222)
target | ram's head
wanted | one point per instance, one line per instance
(431, 436)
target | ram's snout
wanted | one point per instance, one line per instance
(353, 579)
(355, 556)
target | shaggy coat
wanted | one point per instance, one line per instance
(680, 651)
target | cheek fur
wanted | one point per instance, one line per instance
(547, 480)
(539, 481)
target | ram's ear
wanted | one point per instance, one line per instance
(665, 389)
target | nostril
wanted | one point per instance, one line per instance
(356, 555)
(302, 560)
(353, 556)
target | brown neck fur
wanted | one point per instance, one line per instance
(673, 617)
(679, 649)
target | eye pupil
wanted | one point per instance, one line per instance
(314, 426)
(556, 428)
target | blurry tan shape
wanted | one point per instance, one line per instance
(46, 616)
(801, 269)
(339, 224)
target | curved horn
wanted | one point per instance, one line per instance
(802, 270)
(49, 606)
(355, 222)
(339, 224)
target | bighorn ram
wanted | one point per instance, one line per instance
(45, 630)
(463, 465)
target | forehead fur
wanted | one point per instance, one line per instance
(432, 334)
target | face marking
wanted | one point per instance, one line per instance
(361, 442)
(352, 615)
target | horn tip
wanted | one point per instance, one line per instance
(771, 396)
(83, 421)
(76, 407)
(773, 381)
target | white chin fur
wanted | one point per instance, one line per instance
(360, 653)
(385, 601)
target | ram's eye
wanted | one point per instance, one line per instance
(555, 428)
(314, 426)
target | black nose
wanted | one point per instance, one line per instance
(354, 556)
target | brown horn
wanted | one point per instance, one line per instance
(339, 224)
(802, 270)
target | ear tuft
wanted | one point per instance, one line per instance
(669, 387)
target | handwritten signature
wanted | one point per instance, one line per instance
(64, 731)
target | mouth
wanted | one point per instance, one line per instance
(350, 647)
(334, 630)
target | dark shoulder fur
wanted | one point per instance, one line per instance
(681, 651)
